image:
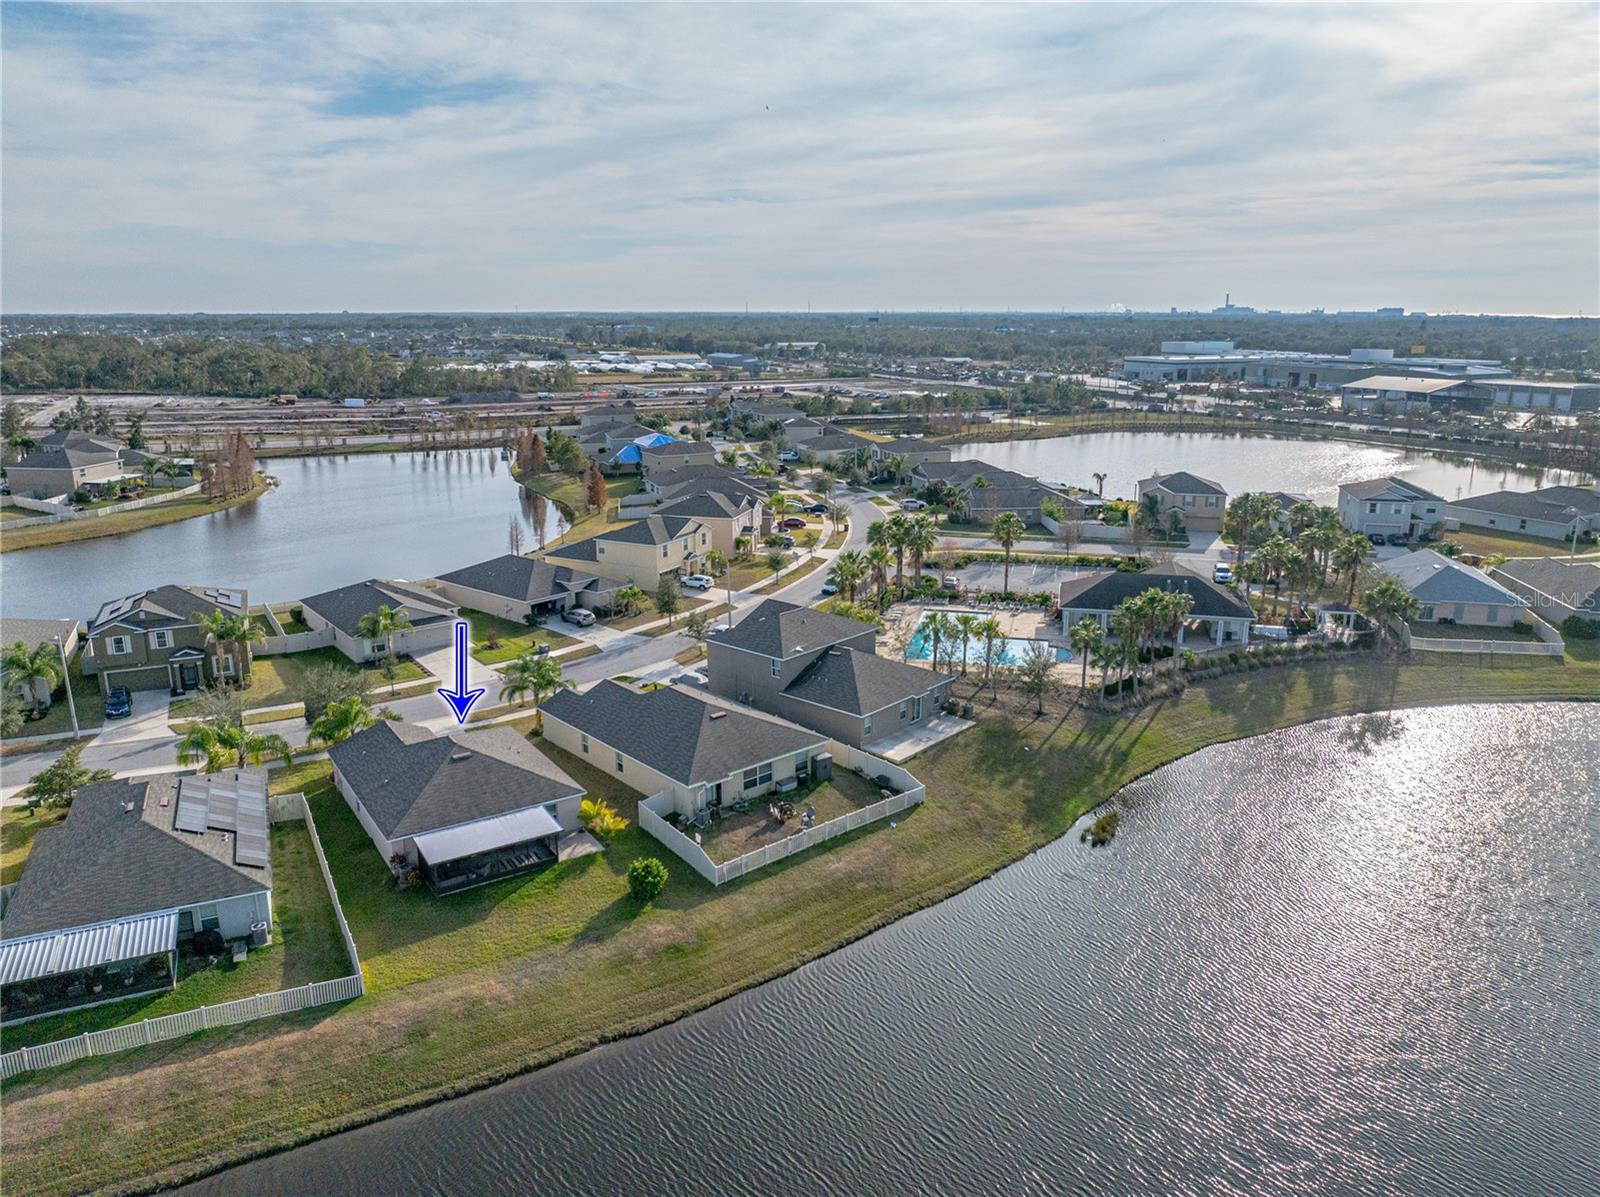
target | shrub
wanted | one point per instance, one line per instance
(600, 819)
(647, 877)
(1577, 627)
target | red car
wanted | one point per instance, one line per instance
(793, 522)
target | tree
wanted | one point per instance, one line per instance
(880, 559)
(514, 537)
(226, 745)
(647, 877)
(1389, 602)
(896, 535)
(342, 720)
(1099, 484)
(847, 572)
(1086, 638)
(697, 626)
(1172, 609)
(1349, 555)
(58, 783)
(966, 627)
(533, 673)
(1009, 529)
(629, 600)
(776, 560)
(718, 565)
(595, 494)
(921, 536)
(938, 627)
(668, 596)
(600, 819)
(12, 714)
(838, 515)
(326, 683)
(993, 639)
(26, 667)
(1036, 675)
(380, 626)
(538, 459)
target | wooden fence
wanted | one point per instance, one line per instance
(224, 1014)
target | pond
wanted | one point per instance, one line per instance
(332, 521)
(1240, 462)
(1358, 956)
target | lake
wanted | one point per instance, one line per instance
(1357, 957)
(1240, 462)
(332, 521)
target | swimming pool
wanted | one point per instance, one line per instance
(1012, 648)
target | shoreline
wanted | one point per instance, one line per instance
(52, 535)
(1328, 706)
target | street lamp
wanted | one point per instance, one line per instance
(1572, 514)
(66, 673)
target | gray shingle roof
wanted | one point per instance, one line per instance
(1549, 503)
(1184, 483)
(578, 550)
(1434, 578)
(710, 504)
(778, 629)
(411, 782)
(1574, 584)
(652, 529)
(846, 679)
(107, 863)
(344, 607)
(170, 605)
(34, 632)
(522, 579)
(676, 733)
(1103, 591)
(679, 448)
(1396, 488)
(71, 448)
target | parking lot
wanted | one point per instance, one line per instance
(1026, 578)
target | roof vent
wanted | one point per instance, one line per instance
(719, 714)
(460, 754)
(127, 808)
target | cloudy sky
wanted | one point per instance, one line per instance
(413, 157)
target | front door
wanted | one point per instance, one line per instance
(189, 676)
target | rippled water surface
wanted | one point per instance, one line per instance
(334, 520)
(1361, 956)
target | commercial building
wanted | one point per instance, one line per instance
(1202, 361)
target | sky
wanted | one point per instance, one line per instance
(375, 157)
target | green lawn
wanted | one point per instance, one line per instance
(474, 988)
(514, 638)
(567, 493)
(1461, 631)
(1483, 542)
(128, 521)
(17, 829)
(85, 691)
(289, 623)
(306, 946)
(277, 680)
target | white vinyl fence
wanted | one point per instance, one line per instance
(204, 1018)
(61, 514)
(911, 793)
(1548, 643)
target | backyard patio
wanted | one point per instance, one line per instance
(735, 834)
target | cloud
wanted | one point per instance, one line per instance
(291, 157)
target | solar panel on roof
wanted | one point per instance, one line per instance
(192, 808)
(250, 839)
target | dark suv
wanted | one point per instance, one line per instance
(119, 703)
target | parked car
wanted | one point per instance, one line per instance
(830, 588)
(1222, 573)
(793, 522)
(784, 542)
(815, 509)
(1376, 538)
(699, 582)
(788, 455)
(119, 703)
(579, 616)
(912, 505)
(1399, 538)
(693, 677)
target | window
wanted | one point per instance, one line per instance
(664, 549)
(802, 763)
(1522, 525)
(1372, 509)
(583, 742)
(1493, 613)
(119, 646)
(619, 762)
(916, 708)
(903, 710)
(866, 727)
(160, 639)
(1425, 615)
(227, 665)
(760, 776)
(1211, 500)
(777, 667)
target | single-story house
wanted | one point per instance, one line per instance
(154, 639)
(519, 588)
(463, 810)
(1452, 592)
(1552, 513)
(638, 553)
(833, 444)
(984, 491)
(626, 412)
(1555, 588)
(340, 611)
(70, 460)
(1218, 613)
(1202, 503)
(671, 484)
(137, 868)
(801, 429)
(1388, 507)
(821, 670)
(34, 633)
(702, 752)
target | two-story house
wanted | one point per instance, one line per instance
(1388, 507)
(1202, 503)
(675, 454)
(69, 460)
(908, 452)
(639, 552)
(821, 670)
(726, 514)
(983, 492)
(154, 640)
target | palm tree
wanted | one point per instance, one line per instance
(536, 674)
(1009, 529)
(896, 536)
(991, 633)
(838, 513)
(1174, 608)
(1099, 483)
(922, 537)
(1272, 558)
(26, 668)
(942, 629)
(1387, 601)
(628, 601)
(1349, 555)
(1302, 515)
(967, 625)
(879, 558)
(849, 568)
(381, 625)
(226, 745)
(226, 628)
(341, 720)
(1086, 638)
(1127, 624)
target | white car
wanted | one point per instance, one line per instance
(912, 505)
(578, 616)
(1222, 573)
(788, 455)
(699, 582)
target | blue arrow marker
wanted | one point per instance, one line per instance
(461, 699)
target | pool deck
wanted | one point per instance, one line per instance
(1028, 624)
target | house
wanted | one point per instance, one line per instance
(675, 454)
(137, 868)
(702, 752)
(1555, 588)
(832, 444)
(34, 633)
(638, 553)
(626, 412)
(154, 640)
(1552, 513)
(820, 670)
(1451, 592)
(909, 451)
(984, 491)
(755, 411)
(523, 588)
(1389, 506)
(68, 461)
(604, 440)
(1202, 503)
(728, 515)
(1283, 502)
(1218, 613)
(339, 613)
(674, 483)
(463, 810)
(801, 429)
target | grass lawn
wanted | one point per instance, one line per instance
(306, 946)
(128, 521)
(515, 638)
(710, 609)
(1483, 542)
(1459, 631)
(567, 493)
(737, 834)
(17, 513)
(792, 576)
(279, 680)
(750, 572)
(291, 625)
(480, 986)
(17, 829)
(85, 692)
